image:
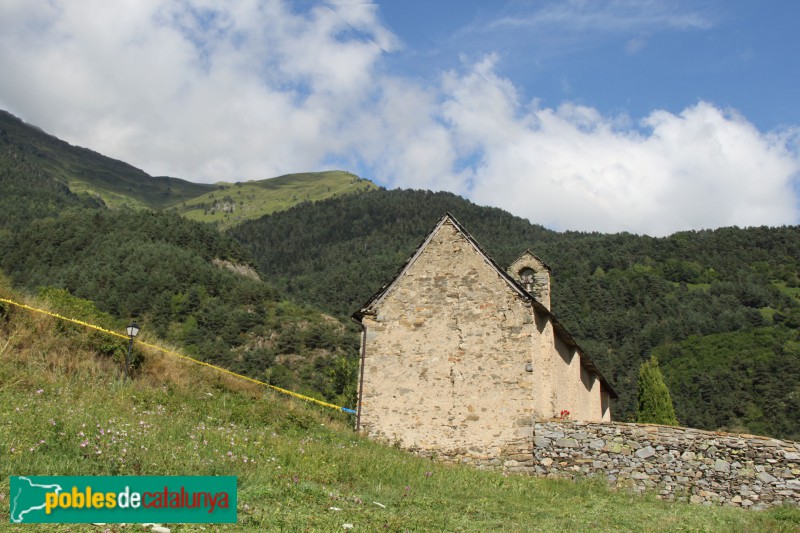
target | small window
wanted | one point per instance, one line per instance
(526, 276)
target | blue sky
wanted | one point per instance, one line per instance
(619, 57)
(649, 116)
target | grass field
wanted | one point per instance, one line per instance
(66, 411)
(236, 202)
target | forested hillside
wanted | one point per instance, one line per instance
(720, 308)
(168, 273)
(91, 174)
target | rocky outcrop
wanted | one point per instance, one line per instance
(242, 270)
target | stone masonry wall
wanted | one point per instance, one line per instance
(447, 354)
(677, 463)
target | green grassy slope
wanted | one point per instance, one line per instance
(85, 171)
(65, 411)
(237, 202)
(118, 184)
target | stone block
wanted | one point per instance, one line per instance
(567, 443)
(722, 466)
(766, 478)
(644, 453)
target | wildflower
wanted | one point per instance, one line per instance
(39, 391)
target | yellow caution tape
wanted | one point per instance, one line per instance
(175, 354)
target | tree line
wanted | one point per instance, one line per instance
(624, 297)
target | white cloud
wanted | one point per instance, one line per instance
(250, 89)
(581, 16)
(573, 168)
(196, 89)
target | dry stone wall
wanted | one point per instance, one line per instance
(676, 463)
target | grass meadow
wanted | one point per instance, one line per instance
(66, 411)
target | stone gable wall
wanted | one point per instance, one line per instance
(448, 353)
(682, 464)
(454, 357)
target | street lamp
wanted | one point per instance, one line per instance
(132, 330)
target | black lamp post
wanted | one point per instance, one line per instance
(132, 330)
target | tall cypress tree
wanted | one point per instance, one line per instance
(655, 404)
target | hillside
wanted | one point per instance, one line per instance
(104, 180)
(181, 279)
(88, 173)
(234, 203)
(622, 296)
(702, 301)
(65, 411)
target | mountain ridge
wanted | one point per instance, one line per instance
(116, 183)
(621, 296)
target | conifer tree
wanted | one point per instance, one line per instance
(655, 403)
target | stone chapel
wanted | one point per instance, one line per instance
(459, 354)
